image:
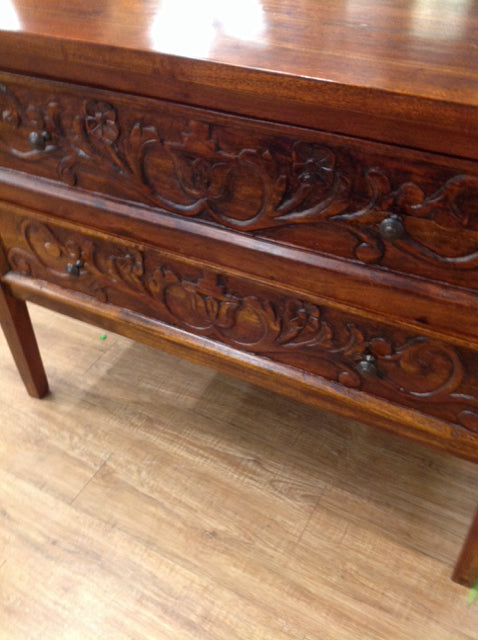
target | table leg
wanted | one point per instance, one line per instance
(466, 569)
(18, 330)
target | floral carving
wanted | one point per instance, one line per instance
(414, 370)
(46, 121)
(192, 168)
(100, 121)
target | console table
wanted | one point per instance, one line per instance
(286, 191)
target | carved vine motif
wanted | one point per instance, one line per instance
(316, 338)
(281, 183)
(453, 207)
(13, 115)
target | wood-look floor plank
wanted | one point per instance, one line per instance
(147, 497)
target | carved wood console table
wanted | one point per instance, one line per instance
(285, 191)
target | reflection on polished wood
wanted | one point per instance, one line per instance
(182, 504)
(349, 41)
(356, 56)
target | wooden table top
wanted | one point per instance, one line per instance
(401, 71)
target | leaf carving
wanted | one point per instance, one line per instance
(260, 184)
(416, 370)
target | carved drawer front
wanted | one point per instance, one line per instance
(374, 204)
(411, 370)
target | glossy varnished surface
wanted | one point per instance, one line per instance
(420, 47)
(346, 53)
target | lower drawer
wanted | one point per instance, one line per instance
(412, 371)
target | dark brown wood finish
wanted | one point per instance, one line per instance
(412, 370)
(17, 327)
(466, 570)
(370, 203)
(285, 191)
(18, 330)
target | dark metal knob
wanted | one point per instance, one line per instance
(74, 269)
(392, 228)
(38, 140)
(368, 366)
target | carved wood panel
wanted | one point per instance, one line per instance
(320, 192)
(410, 370)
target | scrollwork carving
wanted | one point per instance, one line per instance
(259, 184)
(414, 370)
(46, 121)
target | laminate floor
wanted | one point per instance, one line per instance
(147, 497)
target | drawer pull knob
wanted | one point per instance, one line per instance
(74, 269)
(392, 228)
(38, 140)
(368, 366)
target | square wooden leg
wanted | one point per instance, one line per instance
(466, 569)
(18, 330)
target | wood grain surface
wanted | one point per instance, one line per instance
(242, 271)
(147, 497)
(425, 48)
(404, 71)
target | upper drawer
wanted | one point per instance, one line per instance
(389, 207)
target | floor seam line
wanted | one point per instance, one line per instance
(91, 479)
